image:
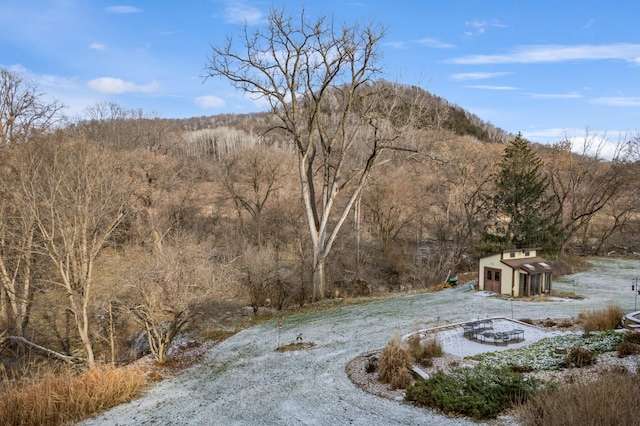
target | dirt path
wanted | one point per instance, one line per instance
(243, 381)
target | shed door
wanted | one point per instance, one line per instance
(492, 279)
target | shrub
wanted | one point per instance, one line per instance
(565, 323)
(604, 319)
(632, 337)
(580, 357)
(394, 364)
(481, 392)
(372, 365)
(68, 397)
(422, 352)
(627, 348)
(611, 400)
(521, 368)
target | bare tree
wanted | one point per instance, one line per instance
(387, 205)
(24, 109)
(320, 82)
(250, 178)
(17, 232)
(164, 288)
(77, 203)
(583, 181)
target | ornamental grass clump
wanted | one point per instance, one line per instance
(580, 357)
(394, 364)
(423, 352)
(608, 318)
(612, 399)
(630, 344)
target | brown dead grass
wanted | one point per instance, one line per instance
(613, 399)
(295, 346)
(68, 397)
(394, 364)
(608, 318)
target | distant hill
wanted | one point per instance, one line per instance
(451, 117)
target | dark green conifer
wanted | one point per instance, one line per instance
(521, 212)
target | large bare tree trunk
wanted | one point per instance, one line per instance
(320, 84)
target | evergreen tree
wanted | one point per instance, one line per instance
(521, 212)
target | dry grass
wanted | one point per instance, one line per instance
(603, 319)
(68, 397)
(295, 346)
(422, 352)
(394, 364)
(613, 399)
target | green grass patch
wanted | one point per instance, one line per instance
(541, 354)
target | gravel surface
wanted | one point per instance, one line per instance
(244, 381)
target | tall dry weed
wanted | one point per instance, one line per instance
(394, 364)
(608, 318)
(610, 400)
(68, 397)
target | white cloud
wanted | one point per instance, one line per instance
(598, 146)
(396, 44)
(618, 101)
(116, 86)
(241, 13)
(572, 95)
(210, 101)
(435, 43)
(557, 53)
(97, 46)
(480, 27)
(489, 87)
(583, 141)
(477, 75)
(122, 9)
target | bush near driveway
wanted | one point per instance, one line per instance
(481, 392)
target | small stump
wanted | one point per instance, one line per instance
(561, 351)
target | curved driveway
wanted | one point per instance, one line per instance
(243, 381)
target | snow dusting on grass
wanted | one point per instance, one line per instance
(541, 354)
(244, 381)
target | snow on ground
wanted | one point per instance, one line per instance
(243, 381)
(454, 342)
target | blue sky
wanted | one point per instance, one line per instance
(548, 69)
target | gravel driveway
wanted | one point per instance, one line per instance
(243, 381)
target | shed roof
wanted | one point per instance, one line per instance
(530, 265)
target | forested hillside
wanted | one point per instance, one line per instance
(117, 222)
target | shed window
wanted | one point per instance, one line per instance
(496, 275)
(512, 254)
(489, 275)
(526, 253)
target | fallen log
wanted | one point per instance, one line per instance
(66, 358)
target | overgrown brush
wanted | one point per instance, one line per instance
(68, 397)
(603, 319)
(579, 357)
(422, 352)
(394, 364)
(632, 337)
(611, 400)
(481, 392)
(627, 348)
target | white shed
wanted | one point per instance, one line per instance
(515, 272)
